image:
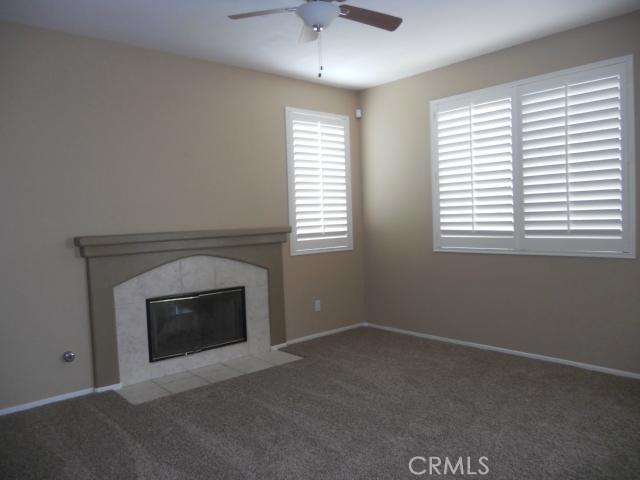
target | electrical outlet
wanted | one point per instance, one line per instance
(317, 306)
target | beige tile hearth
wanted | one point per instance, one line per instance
(248, 364)
(181, 382)
(276, 357)
(185, 383)
(143, 392)
(216, 373)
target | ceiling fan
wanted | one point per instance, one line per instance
(317, 15)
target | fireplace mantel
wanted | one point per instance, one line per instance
(114, 259)
(109, 245)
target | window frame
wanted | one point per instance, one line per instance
(324, 246)
(550, 247)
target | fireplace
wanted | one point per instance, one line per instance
(126, 270)
(188, 323)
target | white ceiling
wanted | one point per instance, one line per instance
(434, 32)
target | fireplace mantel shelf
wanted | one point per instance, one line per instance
(131, 244)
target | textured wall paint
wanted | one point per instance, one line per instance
(100, 138)
(582, 309)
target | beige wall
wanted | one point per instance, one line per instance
(99, 138)
(582, 309)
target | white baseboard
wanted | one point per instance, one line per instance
(318, 335)
(534, 356)
(107, 388)
(58, 398)
(45, 401)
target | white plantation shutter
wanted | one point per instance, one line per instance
(573, 165)
(319, 181)
(570, 165)
(474, 179)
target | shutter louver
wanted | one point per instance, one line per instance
(320, 190)
(572, 160)
(475, 170)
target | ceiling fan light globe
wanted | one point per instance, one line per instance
(318, 15)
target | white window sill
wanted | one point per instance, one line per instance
(322, 250)
(499, 251)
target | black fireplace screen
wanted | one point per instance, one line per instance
(189, 323)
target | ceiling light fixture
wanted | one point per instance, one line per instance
(318, 15)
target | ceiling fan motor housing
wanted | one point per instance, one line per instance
(318, 15)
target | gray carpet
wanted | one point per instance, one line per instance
(360, 405)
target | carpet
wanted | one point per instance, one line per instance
(360, 405)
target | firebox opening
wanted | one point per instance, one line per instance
(189, 323)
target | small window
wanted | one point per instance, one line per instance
(319, 174)
(541, 166)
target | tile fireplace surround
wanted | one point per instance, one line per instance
(124, 270)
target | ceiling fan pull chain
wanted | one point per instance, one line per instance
(320, 55)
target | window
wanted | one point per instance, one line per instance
(319, 174)
(541, 166)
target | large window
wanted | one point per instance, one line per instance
(319, 181)
(541, 166)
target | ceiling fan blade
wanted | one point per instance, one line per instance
(307, 34)
(369, 17)
(259, 13)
